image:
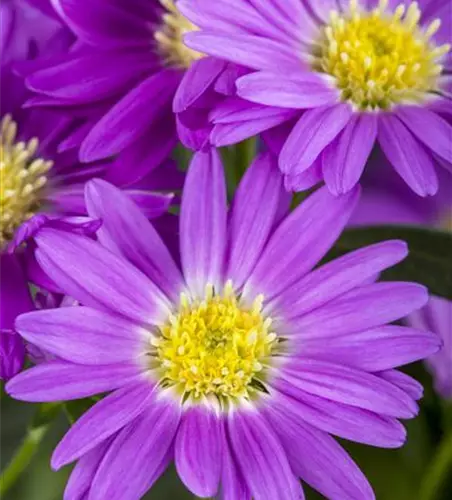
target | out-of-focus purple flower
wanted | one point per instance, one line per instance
(329, 79)
(386, 200)
(238, 364)
(130, 110)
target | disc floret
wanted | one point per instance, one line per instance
(22, 179)
(380, 58)
(215, 346)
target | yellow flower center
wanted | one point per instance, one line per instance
(22, 179)
(380, 58)
(170, 37)
(215, 347)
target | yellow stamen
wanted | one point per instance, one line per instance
(22, 179)
(170, 37)
(215, 347)
(379, 58)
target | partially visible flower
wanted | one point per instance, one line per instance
(129, 110)
(391, 202)
(330, 79)
(239, 363)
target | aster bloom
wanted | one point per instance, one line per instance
(330, 79)
(124, 109)
(239, 363)
(392, 202)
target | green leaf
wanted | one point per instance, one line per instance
(429, 261)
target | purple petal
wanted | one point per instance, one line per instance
(344, 159)
(409, 158)
(101, 421)
(96, 277)
(345, 421)
(340, 276)
(127, 232)
(300, 241)
(404, 381)
(197, 79)
(81, 334)
(12, 354)
(139, 454)
(348, 386)
(61, 381)
(125, 122)
(203, 222)
(435, 132)
(374, 350)
(252, 51)
(361, 309)
(306, 180)
(261, 457)
(15, 296)
(251, 220)
(300, 90)
(310, 136)
(311, 453)
(198, 451)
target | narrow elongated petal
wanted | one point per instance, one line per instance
(409, 158)
(83, 473)
(339, 276)
(61, 381)
(302, 90)
(83, 335)
(311, 453)
(198, 451)
(144, 445)
(344, 159)
(96, 277)
(435, 132)
(203, 222)
(126, 231)
(103, 420)
(374, 350)
(345, 421)
(233, 485)
(301, 241)
(312, 133)
(349, 386)
(362, 309)
(404, 381)
(261, 455)
(254, 210)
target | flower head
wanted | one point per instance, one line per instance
(233, 362)
(329, 80)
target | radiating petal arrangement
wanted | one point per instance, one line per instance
(204, 208)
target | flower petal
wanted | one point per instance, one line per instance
(81, 335)
(198, 451)
(126, 231)
(139, 454)
(101, 421)
(261, 456)
(61, 381)
(203, 222)
(254, 210)
(96, 277)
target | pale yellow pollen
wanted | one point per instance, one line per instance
(22, 179)
(215, 347)
(170, 37)
(380, 58)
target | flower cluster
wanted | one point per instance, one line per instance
(156, 262)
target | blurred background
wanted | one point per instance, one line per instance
(421, 470)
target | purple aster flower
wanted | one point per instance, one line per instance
(392, 202)
(329, 79)
(129, 111)
(238, 364)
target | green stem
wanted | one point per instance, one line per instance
(22, 458)
(438, 471)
